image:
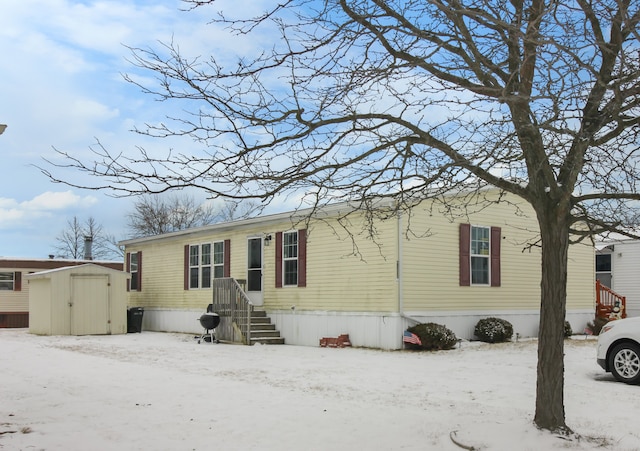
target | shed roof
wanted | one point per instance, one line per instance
(80, 268)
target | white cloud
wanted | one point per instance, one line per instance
(14, 213)
(51, 201)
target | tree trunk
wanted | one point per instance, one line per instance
(554, 232)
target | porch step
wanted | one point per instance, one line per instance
(267, 340)
(263, 331)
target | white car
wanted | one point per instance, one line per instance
(619, 349)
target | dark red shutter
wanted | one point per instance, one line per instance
(139, 275)
(302, 258)
(186, 266)
(17, 281)
(465, 255)
(496, 238)
(227, 259)
(128, 268)
(278, 259)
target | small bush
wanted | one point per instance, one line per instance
(568, 331)
(434, 336)
(596, 325)
(493, 330)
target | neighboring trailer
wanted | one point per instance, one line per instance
(617, 264)
(78, 300)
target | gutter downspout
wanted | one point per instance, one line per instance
(399, 263)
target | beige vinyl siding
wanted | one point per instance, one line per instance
(431, 265)
(581, 284)
(15, 301)
(344, 272)
(352, 273)
(336, 279)
(162, 279)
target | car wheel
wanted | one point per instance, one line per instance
(624, 362)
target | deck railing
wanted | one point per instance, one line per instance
(234, 307)
(609, 304)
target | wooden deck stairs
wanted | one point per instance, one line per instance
(609, 304)
(241, 321)
(263, 331)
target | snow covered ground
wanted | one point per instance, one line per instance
(155, 391)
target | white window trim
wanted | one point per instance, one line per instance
(200, 265)
(472, 256)
(134, 273)
(215, 265)
(285, 259)
(12, 281)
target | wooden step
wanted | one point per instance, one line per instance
(265, 333)
(267, 340)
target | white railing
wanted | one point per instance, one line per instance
(235, 309)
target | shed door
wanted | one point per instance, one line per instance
(89, 304)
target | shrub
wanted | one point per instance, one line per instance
(434, 336)
(493, 330)
(596, 325)
(568, 331)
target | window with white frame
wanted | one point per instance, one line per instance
(133, 270)
(7, 281)
(200, 266)
(290, 258)
(480, 255)
(218, 259)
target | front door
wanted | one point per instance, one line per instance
(254, 270)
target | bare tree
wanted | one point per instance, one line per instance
(363, 98)
(233, 210)
(71, 241)
(156, 214)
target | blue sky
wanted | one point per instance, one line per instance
(62, 87)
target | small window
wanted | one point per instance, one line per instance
(200, 266)
(205, 266)
(603, 263)
(480, 255)
(218, 259)
(133, 269)
(290, 258)
(7, 281)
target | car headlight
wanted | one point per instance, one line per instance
(606, 328)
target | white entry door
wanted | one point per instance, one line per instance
(254, 270)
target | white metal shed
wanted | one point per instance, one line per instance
(78, 300)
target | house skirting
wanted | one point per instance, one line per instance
(371, 330)
(14, 319)
(384, 330)
(169, 320)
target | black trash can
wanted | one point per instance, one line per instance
(134, 319)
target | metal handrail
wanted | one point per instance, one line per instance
(235, 309)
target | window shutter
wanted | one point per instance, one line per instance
(278, 259)
(465, 255)
(128, 269)
(227, 259)
(186, 266)
(496, 238)
(139, 271)
(302, 258)
(17, 281)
